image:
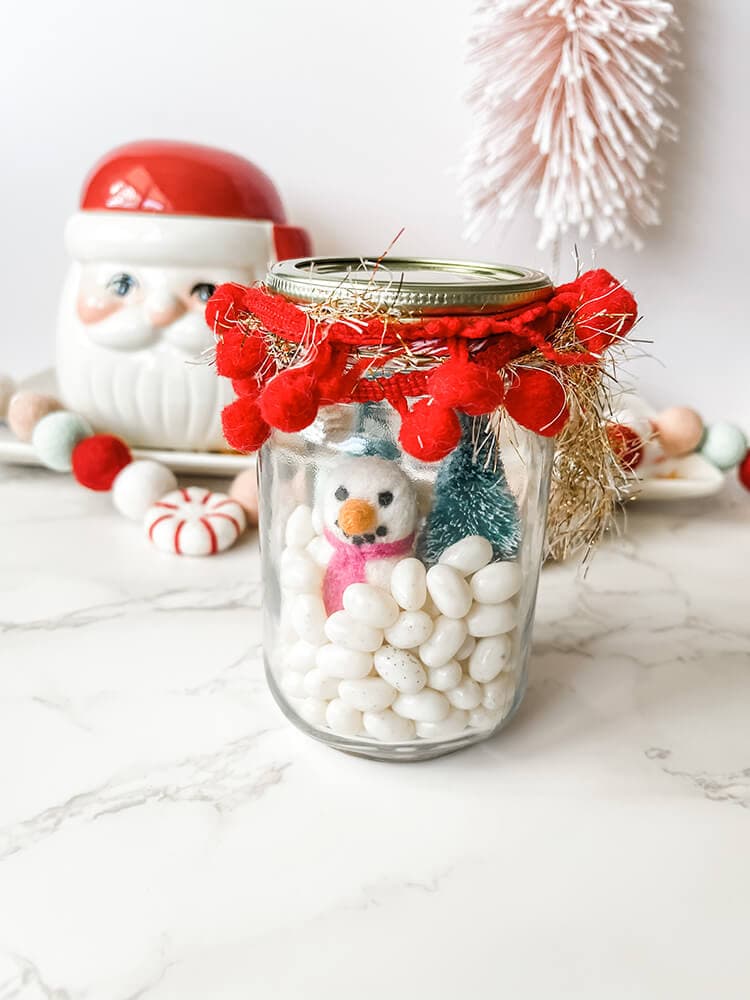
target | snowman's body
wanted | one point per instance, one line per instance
(368, 512)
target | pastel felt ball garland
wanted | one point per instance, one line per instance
(187, 521)
(680, 431)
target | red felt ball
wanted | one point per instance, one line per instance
(244, 428)
(290, 400)
(466, 386)
(626, 444)
(430, 431)
(537, 400)
(97, 459)
(743, 471)
(239, 354)
(226, 306)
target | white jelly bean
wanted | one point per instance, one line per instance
(408, 584)
(426, 706)
(447, 637)
(491, 619)
(449, 591)
(308, 617)
(467, 694)
(316, 519)
(370, 605)
(287, 631)
(410, 629)
(400, 669)
(489, 658)
(467, 648)
(293, 685)
(371, 694)
(313, 710)
(346, 631)
(468, 555)
(430, 608)
(496, 583)
(337, 661)
(388, 727)
(343, 719)
(300, 656)
(483, 718)
(320, 551)
(299, 572)
(497, 695)
(446, 677)
(451, 725)
(319, 684)
(299, 528)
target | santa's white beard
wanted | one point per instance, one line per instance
(156, 396)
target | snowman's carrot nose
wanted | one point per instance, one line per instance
(357, 517)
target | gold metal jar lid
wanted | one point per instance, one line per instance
(414, 284)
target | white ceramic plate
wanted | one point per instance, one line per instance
(681, 479)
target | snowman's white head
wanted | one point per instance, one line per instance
(367, 500)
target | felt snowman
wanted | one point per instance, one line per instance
(160, 225)
(368, 511)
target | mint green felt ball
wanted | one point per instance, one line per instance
(55, 437)
(724, 446)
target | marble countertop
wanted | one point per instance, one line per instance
(165, 834)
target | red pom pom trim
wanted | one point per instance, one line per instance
(249, 386)
(602, 310)
(430, 431)
(244, 428)
(239, 354)
(466, 386)
(226, 307)
(537, 400)
(97, 460)
(290, 400)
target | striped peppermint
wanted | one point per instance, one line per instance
(194, 522)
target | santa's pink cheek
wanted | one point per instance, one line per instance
(93, 308)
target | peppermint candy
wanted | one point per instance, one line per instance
(194, 522)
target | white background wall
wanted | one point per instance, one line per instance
(355, 109)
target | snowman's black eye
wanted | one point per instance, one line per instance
(386, 498)
(341, 493)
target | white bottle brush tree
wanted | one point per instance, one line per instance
(570, 102)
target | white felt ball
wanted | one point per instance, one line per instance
(7, 388)
(139, 485)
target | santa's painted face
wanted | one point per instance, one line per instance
(132, 352)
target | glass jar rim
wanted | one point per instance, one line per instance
(422, 285)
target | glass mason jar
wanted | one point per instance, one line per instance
(399, 594)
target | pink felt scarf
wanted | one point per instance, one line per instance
(348, 563)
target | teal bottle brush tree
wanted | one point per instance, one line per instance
(471, 497)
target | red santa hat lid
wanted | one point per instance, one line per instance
(179, 202)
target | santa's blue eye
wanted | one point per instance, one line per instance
(385, 498)
(341, 493)
(203, 290)
(122, 284)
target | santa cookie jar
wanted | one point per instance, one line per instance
(160, 225)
